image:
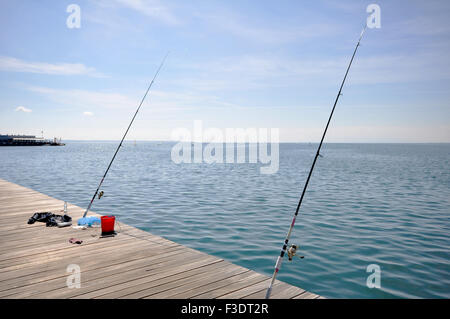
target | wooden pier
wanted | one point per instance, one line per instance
(35, 260)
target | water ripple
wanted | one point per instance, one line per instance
(367, 204)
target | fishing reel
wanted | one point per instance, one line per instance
(100, 195)
(292, 252)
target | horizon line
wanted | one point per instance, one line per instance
(296, 142)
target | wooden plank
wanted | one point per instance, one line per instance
(211, 277)
(136, 268)
(133, 264)
(286, 291)
(280, 290)
(181, 279)
(252, 279)
(306, 295)
(195, 291)
(127, 258)
(99, 289)
(5, 272)
(242, 293)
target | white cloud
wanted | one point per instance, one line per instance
(151, 8)
(85, 98)
(11, 64)
(261, 71)
(23, 109)
(274, 35)
(157, 101)
(401, 68)
(87, 113)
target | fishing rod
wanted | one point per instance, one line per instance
(286, 241)
(120, 144)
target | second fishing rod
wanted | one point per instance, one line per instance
(286, 241)
(126, 132)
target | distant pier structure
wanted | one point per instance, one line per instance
(28, 140)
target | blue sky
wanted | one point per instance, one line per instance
(236, 64)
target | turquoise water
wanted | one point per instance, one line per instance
(384, 204)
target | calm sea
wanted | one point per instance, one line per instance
(383, 204)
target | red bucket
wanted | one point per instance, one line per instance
(108, 224)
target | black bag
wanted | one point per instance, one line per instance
(49, 219)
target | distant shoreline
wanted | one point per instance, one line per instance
(161, 141)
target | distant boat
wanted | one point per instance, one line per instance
(27, 140)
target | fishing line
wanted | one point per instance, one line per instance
(286, 241)
(120, 144)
